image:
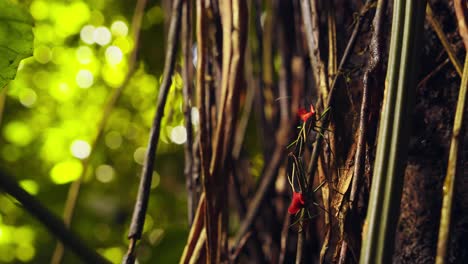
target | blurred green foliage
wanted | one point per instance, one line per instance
(50, 116)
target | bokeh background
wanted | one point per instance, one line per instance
(50, 115)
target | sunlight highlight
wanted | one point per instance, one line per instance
(114, 55)
(102, 36)
(119, 28)
(179, 135)
(80, 149)
(27, 97)
(84, 79)
(87, 34)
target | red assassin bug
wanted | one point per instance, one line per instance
(298, 180)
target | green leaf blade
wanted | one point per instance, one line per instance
(16, 39)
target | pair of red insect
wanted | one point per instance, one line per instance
(298, 202)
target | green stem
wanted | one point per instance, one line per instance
(449, 182)
(387, 182)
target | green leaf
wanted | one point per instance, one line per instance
(16, 39)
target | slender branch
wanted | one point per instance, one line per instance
(75, 187)
(54, 224)
(187, 94)
(443, 39)
(372, 66)
(457, 136)
(460, 11)
(332, 45)
(284, 237)
(300, 245)
(375, 58)
(311, 24)
(141, 205)
(433, 72)
(195, 231)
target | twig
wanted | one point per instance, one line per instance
(54, 224)
(284, 237)
(433, 72)
(264, 98)
(195, 231)
(332, 46)
(204, 144)
(187, 94)
(311, 23)
(75, 187)
(443, 39)
(141, 205)
(244, 240)
(372, 66)
(199, 247)
(300, 245)
(460, 11)
(457, 136)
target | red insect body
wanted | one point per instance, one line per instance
(304, 115)
(297, 203)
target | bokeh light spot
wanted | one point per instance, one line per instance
(80, 149)
(139, 155)
(124, 43)
(119, 28)
(113, 254)
(18, 133)
(156, 236)
(39, 9)
(87, 34)
(84, 54)
(113, 140)
(42, 54)
(27, 97)
(155, 15)
(156, 179)
(5, 234)
(10, 152)
(61, 92)
(195, 116)
(178, 135)
(55, 146)
(105, 173)
(113, 76)
(25, 252)
(44, 33)
(84, 79)
(66, 171)
(114, 55)
(24, 235)
(30, 186)
(102, 36)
